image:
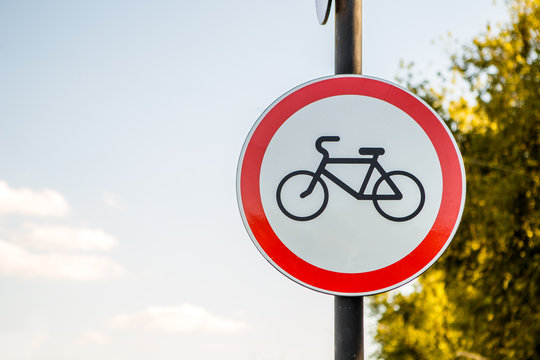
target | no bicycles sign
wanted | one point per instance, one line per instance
(350, 185)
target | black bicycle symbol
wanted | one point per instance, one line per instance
(315, 178)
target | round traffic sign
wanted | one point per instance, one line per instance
(350, 185)
(323, 10)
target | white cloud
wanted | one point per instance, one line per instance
(24, 201)
(111, 200)
(38, 340)
(93, 338)
(64, 238)
(181, 318)
(17, 261)
(51, 251)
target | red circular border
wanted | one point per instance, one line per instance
(348, 283)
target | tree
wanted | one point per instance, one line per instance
(481, 300)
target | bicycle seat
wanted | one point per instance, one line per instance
(371, 151)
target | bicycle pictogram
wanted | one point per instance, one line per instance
(387, 180)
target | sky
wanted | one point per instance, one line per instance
(121, 123)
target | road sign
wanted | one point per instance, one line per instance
(350, 185)
(323, 10)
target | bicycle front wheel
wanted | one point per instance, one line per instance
(405, 207)
(293, 200)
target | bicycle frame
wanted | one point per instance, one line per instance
(360, 194)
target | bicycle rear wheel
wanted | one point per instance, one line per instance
(404, 208)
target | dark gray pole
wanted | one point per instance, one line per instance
(348, 328)
(348, 55)
(348, 311)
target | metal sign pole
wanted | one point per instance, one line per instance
(348, 53)
(349, 328)
(348, 311)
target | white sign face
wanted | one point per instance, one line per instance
(351, 185)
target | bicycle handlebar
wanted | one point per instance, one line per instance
(319, 141)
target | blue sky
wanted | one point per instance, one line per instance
(121, 123)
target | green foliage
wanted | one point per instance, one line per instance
(482, 298)
(404, 325)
